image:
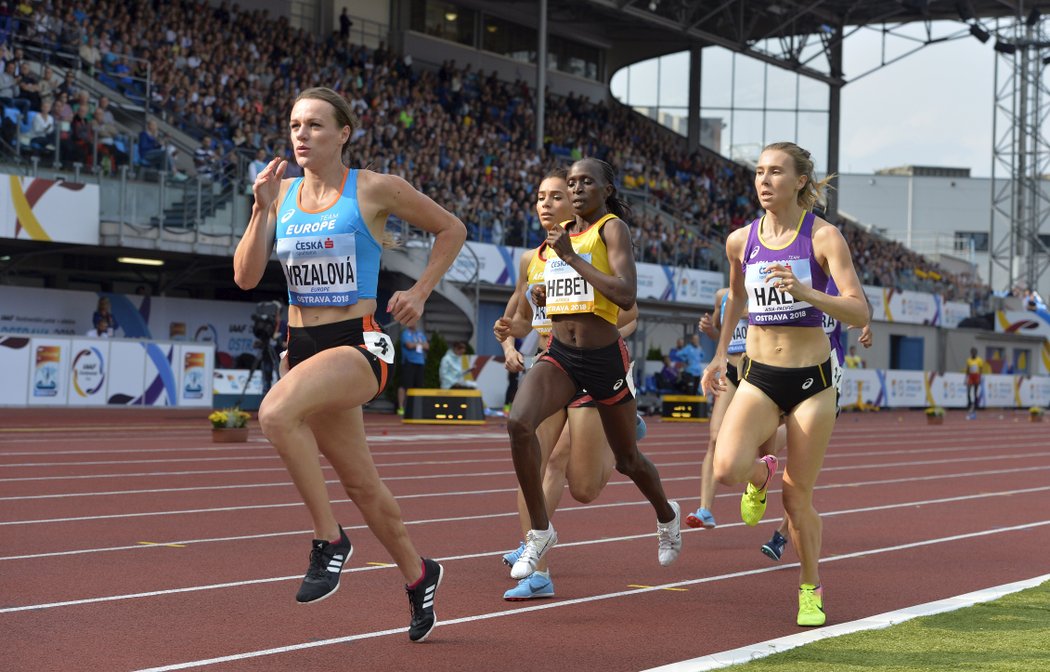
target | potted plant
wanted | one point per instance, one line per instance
(229, 425)
(935, 415)
(1035, 414)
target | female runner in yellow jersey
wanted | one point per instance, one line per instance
(581, 456)
(590, 277)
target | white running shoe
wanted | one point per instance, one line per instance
(670, 537)
(537, 543)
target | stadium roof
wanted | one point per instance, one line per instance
(795, 34)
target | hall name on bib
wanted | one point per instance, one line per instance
(331, 273)
(769, 296)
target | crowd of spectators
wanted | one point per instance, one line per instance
(888, 263)
(461, 136)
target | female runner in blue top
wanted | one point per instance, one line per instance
(327, 227)
(779, 266)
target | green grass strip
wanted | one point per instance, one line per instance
(1011, 634)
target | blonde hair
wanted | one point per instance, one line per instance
(812, 191)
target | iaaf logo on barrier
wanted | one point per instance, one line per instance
(89, 372)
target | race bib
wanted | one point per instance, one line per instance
(836, 374)
(567, 291)
(830, 323)
(320, 272)
(540, 321)
(768, 305)
(380, 345)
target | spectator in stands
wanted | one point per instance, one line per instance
(49, 83)
(90, 54)
(10, 95)
(414, 347)
(42, 133)
(62, 110)
(29, 89)
(104, 309)
(154, 150)
(256, 166)
(107, 133)
(205, 161)
(77, 148)
(102, 328)
(344, 25)
(454, 371)
(69, 85)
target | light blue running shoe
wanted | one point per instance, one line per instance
(640, 428)
(510, 558)
(533, 586)
(702, 518)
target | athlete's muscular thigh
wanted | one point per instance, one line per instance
(750, 419)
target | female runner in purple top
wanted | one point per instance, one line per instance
(779, 268)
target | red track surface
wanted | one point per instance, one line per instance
(129, 541)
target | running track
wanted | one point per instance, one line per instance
(129, 541)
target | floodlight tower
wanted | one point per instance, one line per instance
(1020, 152)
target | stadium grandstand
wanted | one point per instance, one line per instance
(461, 135)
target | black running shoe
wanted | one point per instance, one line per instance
(774, 548)
(421, 601)
(326, 561)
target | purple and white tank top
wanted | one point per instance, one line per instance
(767, 305)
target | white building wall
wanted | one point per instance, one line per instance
(938, 207)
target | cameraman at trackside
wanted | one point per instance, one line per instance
(269, 332)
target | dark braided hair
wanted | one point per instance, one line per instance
(613, 203)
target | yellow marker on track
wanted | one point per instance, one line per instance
(673, 590)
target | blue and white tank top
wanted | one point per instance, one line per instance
(738, 343)
(329, 256)
(767, 305)
(833, 327)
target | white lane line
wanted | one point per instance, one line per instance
(503, 450)
(427, 477)
(471, 556)
(746, 654)
(582, 600)
(968, 441)
(280, 505)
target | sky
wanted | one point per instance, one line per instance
(933, 107)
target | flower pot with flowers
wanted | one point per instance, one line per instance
(935, 415)
(229, 425)
(1035, 414)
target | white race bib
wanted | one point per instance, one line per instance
(380, 345)
(540, 321)
(768, 305)
(319, 272)
(567, 291)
